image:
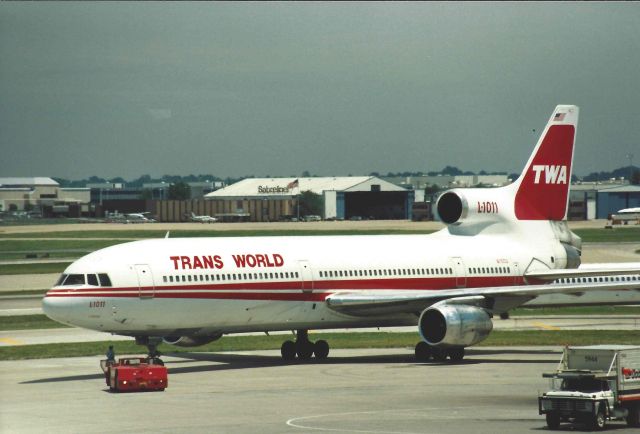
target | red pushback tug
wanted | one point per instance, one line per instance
(135, 374)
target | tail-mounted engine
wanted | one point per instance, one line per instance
(190, 341)
(454, 325)
(474, 206)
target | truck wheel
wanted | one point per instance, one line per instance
(633, 418)
(553, 420)
(599, 420)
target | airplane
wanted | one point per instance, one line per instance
(627, 215)
(203, 218)
(135, 217)
(501, 247)
(139, 217)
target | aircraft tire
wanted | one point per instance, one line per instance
(439, 354)
(321, 349)
(304, 349)
(423, 351)
(288, 350)
(456, 354)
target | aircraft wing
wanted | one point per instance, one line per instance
(587, 270)
(495, 299)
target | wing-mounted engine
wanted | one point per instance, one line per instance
(190, 341)
(454, 325)
(475, 206)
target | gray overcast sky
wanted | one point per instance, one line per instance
(124, 89)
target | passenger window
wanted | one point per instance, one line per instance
(74, 279)
(92, 279)
(164, 279)
(104, 279)
(170, 278)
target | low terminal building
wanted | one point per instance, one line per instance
(43, 197)
(612, 200)
(347, 197)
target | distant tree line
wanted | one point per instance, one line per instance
(625, 172)
(629, 172)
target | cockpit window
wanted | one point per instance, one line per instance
(60, 280)
(74, 279)
(104, 280)
(92, 279)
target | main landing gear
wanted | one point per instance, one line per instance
(153, 355)
(303, 348)
(424, 352)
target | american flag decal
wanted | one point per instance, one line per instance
(558, 117)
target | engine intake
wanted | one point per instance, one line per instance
(450, 207)
(190, 341)
(454, 325)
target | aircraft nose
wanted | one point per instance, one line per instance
(55, 307)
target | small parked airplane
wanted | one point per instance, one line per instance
(135, 217)
(203, 218)
(502, 247)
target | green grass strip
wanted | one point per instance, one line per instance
(593, 235)
(180, 233)
(28, 322)
(47, 267)
(582, 310)
(44, 246)
(587, 234)
(336, 340)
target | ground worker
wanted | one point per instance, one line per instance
(111, 354)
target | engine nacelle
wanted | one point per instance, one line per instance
(454, 325)
(190, 341)
(474, 206)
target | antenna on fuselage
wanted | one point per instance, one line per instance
(167, 234)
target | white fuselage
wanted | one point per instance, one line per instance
(226, 285)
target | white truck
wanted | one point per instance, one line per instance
(593, 384)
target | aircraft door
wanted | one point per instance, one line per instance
(306, 276)
(517, 279)
(460, 272)
(146, 286)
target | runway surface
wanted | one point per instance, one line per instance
(354, 391)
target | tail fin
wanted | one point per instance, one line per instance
(543, 187)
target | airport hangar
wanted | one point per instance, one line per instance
(270, 199)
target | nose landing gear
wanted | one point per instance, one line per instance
(153, 355)
(303, 348)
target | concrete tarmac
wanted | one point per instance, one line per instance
(354, 391)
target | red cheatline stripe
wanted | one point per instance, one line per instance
(211, 295)
(330, 285)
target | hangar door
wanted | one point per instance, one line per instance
(379, 205)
